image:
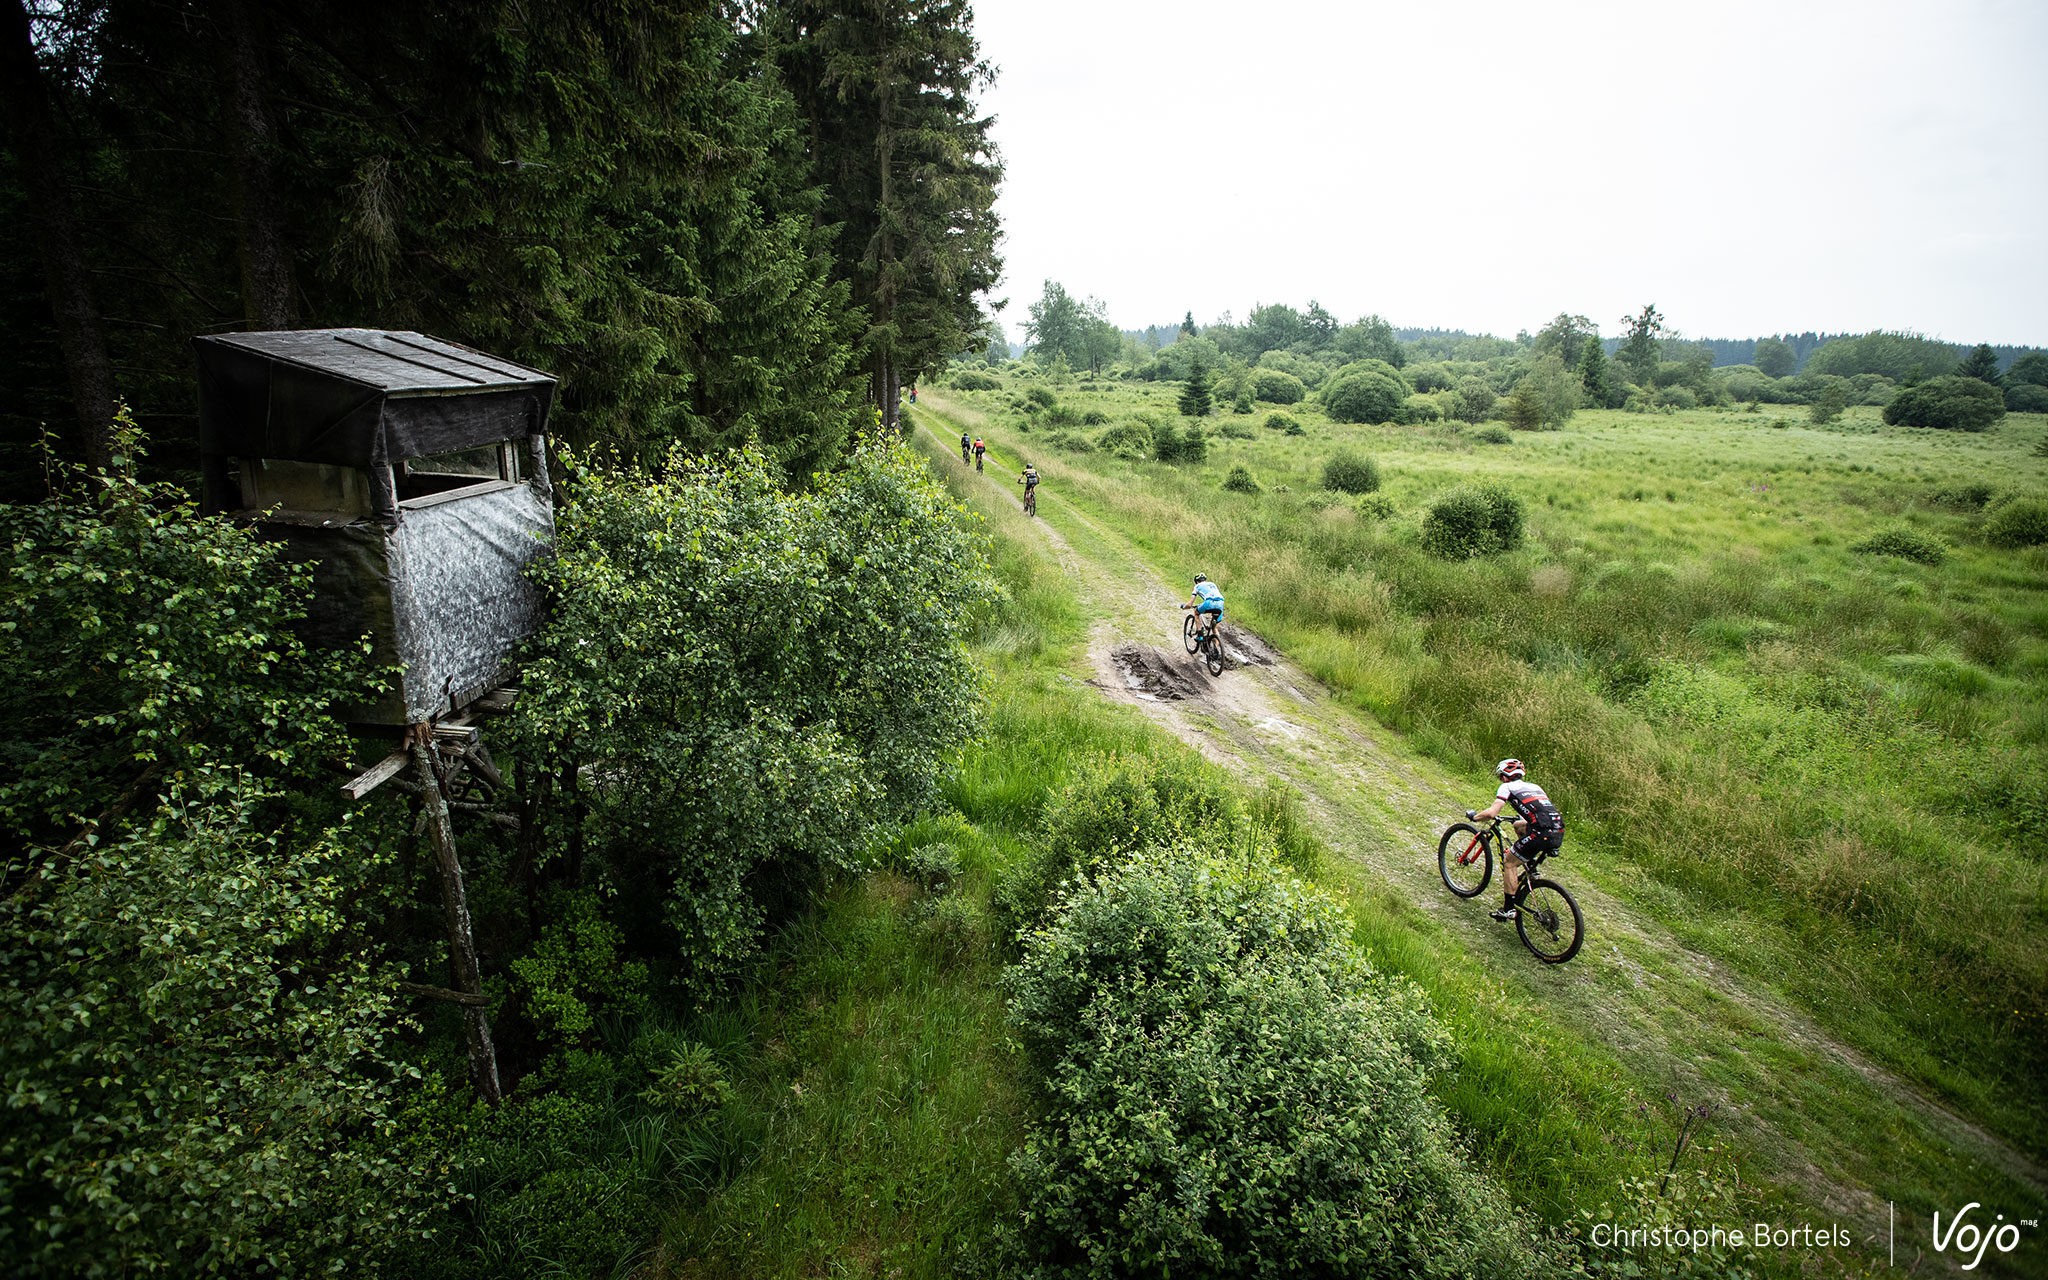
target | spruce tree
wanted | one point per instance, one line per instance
(885, 88)
(1594, 374)
(1187, 325)
(1981, 364)
(1195, 398)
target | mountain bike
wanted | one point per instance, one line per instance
(1207, 641)
(1546, 915)
(1030, 499)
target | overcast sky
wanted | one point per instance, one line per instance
(1749, 167)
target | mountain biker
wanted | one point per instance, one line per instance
(1207, 602)
(1030, 482)
(1539, 827)
(979, 449)
(963, 447)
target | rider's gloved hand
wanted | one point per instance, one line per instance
(1471, 813)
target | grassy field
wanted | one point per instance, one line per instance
(1807, 762)
(1827, 764)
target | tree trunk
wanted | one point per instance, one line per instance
(462, 965)
(252, 141)
(33, 131)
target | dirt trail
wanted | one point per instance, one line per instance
(1700, 1028)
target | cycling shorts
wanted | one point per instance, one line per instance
(1538, 842)
(1211, 606)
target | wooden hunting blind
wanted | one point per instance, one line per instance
(412, 472)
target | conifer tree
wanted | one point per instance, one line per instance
(1594, 374)
(1981, 364)
(1187, 325)
(1196, 398)
(909, 169)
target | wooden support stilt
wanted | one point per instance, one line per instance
(468, 979)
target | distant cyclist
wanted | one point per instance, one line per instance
(1030, 482)
(1207, 602)
(965, 450)
(1539, 827)
(979, 449)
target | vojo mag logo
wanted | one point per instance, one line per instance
(1971, 1240)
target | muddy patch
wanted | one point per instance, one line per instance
(1247, 648)
(1156, 675)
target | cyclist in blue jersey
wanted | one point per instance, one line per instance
(1207, 602)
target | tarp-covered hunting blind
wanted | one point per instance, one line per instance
(412, 470)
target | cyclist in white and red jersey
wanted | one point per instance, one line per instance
(1539, 827)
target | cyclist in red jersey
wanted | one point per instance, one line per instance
(1539, 827)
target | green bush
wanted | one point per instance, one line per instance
(1348, 472)
(1280, 422)
(1360, 393)
(1419, 408)
(1675, 398)
(1311, 372)
(1376, 506)
(1237, 431)
(574, 972)
(1095, 418)
(1473, 520)
(2026, 397)
(2020, 522)
(1114, 807)
(1475, 399)
(1948, 404)
(1126, 440)
(970, 380)
(1907, 544)
(1240, 481)
(1070, 442)
(1295, 428)
(1230, 1089)
(1042, 397)
(1493, 435)
(1275, 387)
(1963, 497)
(1171, 444)
(694, 659)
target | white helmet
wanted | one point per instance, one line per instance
(1509, 770)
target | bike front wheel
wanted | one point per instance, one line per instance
(1464, 858)
(1549, 922)
(1191, 631)
(1030, 504)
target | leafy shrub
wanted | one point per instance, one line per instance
(1948, 404)
(1311, 372)
(1126, 440)
(971, 380)
(2026, 397)
(1279, 422)
(1364, 394)
(1295, 428)
(1420, 408)
(1276, 387)
(1430, 377)
(1473, 520)
(1042, 397)
(1095, 418)
(1907, 544)
(1070, 442)
(934, 867)
(1963, 497)
(1475, 399)
(1675, 398)
(1237, 431)
(1171, 444)
(694, 659)
(1230, 1089)
(1240, 481)
(1061, 416)
(1376, 506)
(1114, 807)
(2020, 522)
(1348, 472)
(1493, 435)
(574, 971)
(1242, 401)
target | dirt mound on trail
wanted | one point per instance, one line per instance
(1157, 675)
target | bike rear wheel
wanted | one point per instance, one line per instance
(1549, 921)
(1030, 503)
(1191, 631)
(1464, 857)
(1215, 654)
